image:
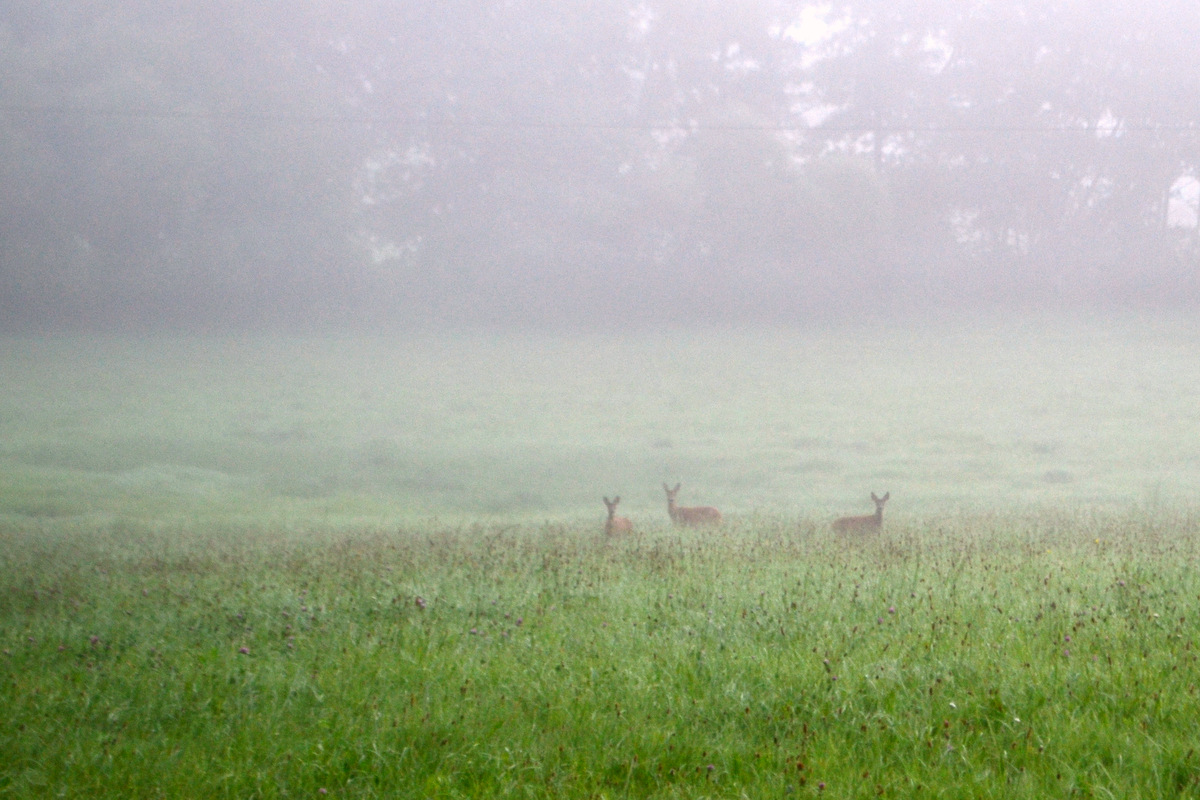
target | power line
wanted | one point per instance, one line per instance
(286, 117)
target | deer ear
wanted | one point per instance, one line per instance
(676, 489)
(606, 502)
(616, 499)
(873, 497)
(886, 496)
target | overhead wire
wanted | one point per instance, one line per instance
(287, 117)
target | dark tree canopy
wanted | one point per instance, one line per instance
(535, 161)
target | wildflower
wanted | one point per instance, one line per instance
(891, 609)
(520, 621)
(1067, 638)
(244, 650)
(420, 602)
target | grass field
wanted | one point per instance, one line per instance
(537, 427)
(273, 567)
(999, 656)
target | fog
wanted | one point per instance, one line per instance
(390, 165)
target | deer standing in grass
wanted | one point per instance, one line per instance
(693, 516)
(615, 525)
(865, 524)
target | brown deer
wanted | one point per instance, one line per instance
(696, 515)
(616, 525)
(864, 524)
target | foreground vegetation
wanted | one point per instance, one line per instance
(366, 567)
(1028, 655)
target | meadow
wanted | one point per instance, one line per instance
(374, 567)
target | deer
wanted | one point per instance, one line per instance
(615, 525)
(693, 516)
(864, 524)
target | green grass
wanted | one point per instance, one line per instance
(975, 656)
(538, 427)
(270, 566)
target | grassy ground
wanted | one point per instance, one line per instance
(980, 656)
(373, 567)
(538, 427)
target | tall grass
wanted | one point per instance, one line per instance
(374, 567)
(973, 656)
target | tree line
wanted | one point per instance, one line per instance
(498, 162)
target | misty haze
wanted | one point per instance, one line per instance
(402, 164)
(328, 331)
